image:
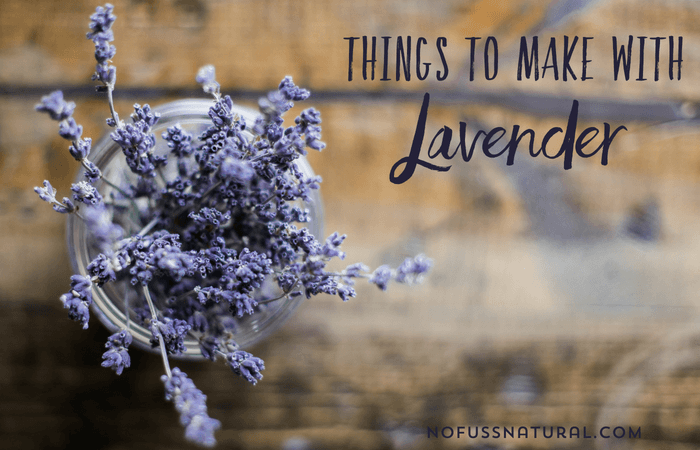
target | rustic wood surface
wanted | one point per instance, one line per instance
(512, 328)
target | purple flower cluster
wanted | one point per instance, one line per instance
(180, 145)
(86, 193)
(410, 271)
(190, 402)
(117, 357)
(156, 255)
(207, 78)
(60, 110)
(137, 142)
(78, 299)
(173, 333)
(101, 34)
(56, 107)
(48, 194)
(245, 365)
(209, 242)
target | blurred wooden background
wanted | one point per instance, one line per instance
(540, 310)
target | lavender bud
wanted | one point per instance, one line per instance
(173, 332)
(66, 206)
(102, 230)
(70, 130)
(246, 365)
(209, 345)
(179, 141)
(106, 74)
(104, 51)
(102, 268)
(55, 106)
(411, 269)
(80, 148)
(381, 277)
(292, 92)
(145, 115)
(309, 116)
(86, 193)
(92, 173)
(78, 299)
(345, 292)
(101, 22)
(117, 355)
(206, 76)
(220, 113)
(47, 193)
(190, 402)
(355, 270)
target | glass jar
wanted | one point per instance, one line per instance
(108, 301)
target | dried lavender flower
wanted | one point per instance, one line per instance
(208, 242)
(70, 130)
(48, 194)
(101, 34)
(117, 355)
(381, 277)
(206, 76)
(54, 105)
(92, 172)
(80, 149)
(102, 269)
(246, 365)
(137, 143)
(411, 271)
(101, 23)
(190, 402)
(179, 141)
(173, 332)
(78, 299)
(86, 193)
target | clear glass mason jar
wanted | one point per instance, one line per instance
(108, 301)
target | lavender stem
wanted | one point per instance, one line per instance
(110, 100)
(154, 318)
(148, 227)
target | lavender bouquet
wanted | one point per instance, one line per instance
(213, 239)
